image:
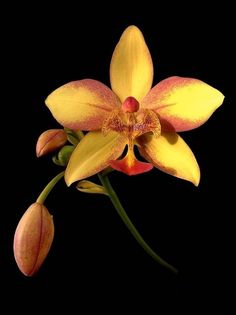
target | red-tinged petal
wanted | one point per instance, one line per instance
(129, 164)
(136, 168)
(170, 154)
(82, 104)
(183, 103)
(131, 69)
(93, 154)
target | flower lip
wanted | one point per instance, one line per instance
(130, 105)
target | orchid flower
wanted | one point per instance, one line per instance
(133, 113)
(130, 114)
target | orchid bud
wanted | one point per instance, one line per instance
(63, 156)
(50, 141)
(65, 153)
(73, 136)
(33, 238)
(91, 188)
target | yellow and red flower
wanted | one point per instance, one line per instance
(133, 113)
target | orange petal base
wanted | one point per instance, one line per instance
(135, 168)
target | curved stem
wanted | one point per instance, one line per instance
(49, 187)
(121, 211)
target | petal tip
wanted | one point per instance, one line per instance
(221, 98)
(196, 182)
(132, 29)
(48, 100)
(68, 180)
(195, 178)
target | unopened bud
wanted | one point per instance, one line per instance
(33, 238)
(74, 136)
(90, 187)
(65, 153)
(50, 141)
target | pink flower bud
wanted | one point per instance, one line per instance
(33, 238)
(50, 141)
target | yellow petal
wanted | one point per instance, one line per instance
(131, 69)
(170, 154)
(82, 104)
(93, 154)
(183, 103)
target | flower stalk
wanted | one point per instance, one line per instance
(124, 217)
(49, 187)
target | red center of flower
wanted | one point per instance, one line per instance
(130, 105)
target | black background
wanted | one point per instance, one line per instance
(94, 261)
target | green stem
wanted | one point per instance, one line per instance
(49, 187)
(121, 211)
